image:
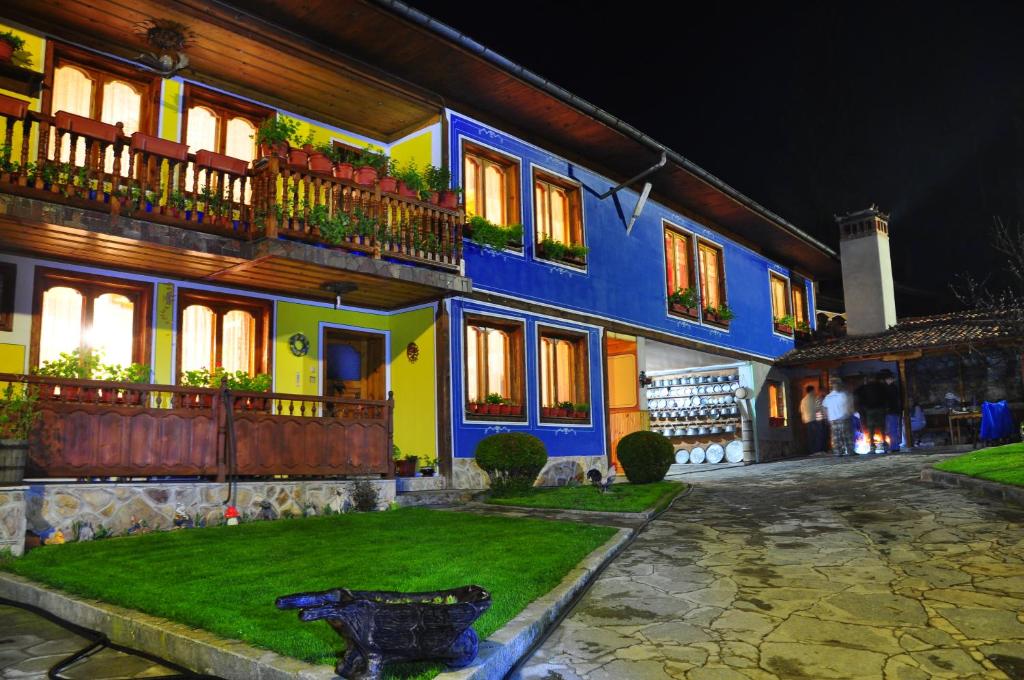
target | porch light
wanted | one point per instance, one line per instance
(339, 288)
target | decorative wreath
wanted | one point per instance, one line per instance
(412, 351)
(299, 345)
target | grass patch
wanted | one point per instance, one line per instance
(224, 579)
(999, 464)
(620, 498)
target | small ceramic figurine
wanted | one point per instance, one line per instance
(181, 519)
(267, 510)
(56, 538)
(231, 515)
(86, 532)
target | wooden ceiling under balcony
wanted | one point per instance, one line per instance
(235, 52)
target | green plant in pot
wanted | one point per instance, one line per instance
(274, 134)
(19, 413)
(565, 409)
(493, 403)
(722, 314)
(369, 165)
(684, 301)
(321, 159)
(405, 465)
(9, 44)
(784, 324)
(580, 411)
(410, 182)
(438, 185)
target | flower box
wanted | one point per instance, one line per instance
(161, 147)
(784, 329)
(683, 310)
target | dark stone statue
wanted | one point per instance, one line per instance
(381, 627)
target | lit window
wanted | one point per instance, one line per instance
(491, 186)
(494, 361)
(622, 381)
(712, 279)
(222, 124)
(678, 261)
(556, 208)
(800, 312)
(776, 404)
(564, 369)
(221, 331)
(780, 297)
(91, 314)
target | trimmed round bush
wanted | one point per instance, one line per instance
(645, 456)
(512, 459)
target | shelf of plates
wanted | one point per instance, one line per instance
(697, 410)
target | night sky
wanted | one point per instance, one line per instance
(810, 109)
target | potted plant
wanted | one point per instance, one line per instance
(343, 168)
(784, 324)
(489, 235)
(492, 404)
(9, 44)
(410, 182)
(474, 407)
(197, 378)
(18, 415)
(565, 409)
(685, 302)
(427, 470)
(581, 411)
(720, 315)
(514, 409)
(73, 365)
(369, 165)
(298, 155)
(273, 135)
(438, 181)
(387, 174)
(133, 373)
(563, 252)
(176, 203)
(241, 381)
(320, 158)
(549, 412)
(803, 330)
(405, 466)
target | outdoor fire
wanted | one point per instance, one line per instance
(864, 443)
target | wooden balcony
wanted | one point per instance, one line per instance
(92, 166)
(91, 428)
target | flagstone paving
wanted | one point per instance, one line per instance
(820, 568)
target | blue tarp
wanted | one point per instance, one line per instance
(996, 420)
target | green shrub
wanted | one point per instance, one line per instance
(512, 459)
(645, 456)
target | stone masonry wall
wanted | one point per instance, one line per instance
(466, 474)
(117, 506)
(12, 518)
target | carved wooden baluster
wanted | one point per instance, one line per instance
(195, 191)
(8, 139)
(26, 134)
(231, 201)
(73, 155)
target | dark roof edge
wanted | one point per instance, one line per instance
(445, 31)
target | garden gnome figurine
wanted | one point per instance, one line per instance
(181, 518)
(267, 510)
(231, 515)
(56, 538)
(86, 532)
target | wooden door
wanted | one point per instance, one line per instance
(624, 415)
(354, 365)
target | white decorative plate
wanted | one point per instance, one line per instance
(715, 453)
(682, 456)
(734, 451)
(697, 455)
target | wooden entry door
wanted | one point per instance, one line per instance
(354, 365)
(624, 415)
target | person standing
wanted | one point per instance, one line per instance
(839, 409)
(893, 409)
(810, 414)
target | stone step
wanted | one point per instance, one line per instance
(407, 484)
(435, 497)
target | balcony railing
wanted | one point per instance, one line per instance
(89, 164)
(93, 428)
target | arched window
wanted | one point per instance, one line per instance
(91, 314)
(219, 330)
(494, 362)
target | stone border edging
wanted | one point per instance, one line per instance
(502, 649)
(204, 652)
(644, 515)
(998, 490)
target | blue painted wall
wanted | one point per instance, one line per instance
(625, 276)
(587, 439)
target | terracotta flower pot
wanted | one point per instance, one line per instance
(298, 159)
(505, 409)
(474, 407)
(684, 310)
(404, 190)
(344, 171)
(434, 198)
(448, 200)
(319, 162)
(517, 409)
(365, 176)
(6, 50)
(279, 149)
(388, 184)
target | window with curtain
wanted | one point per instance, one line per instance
(491, 186)
(780, 297)
(777, 416)
(101, 89)
(564, 369)
(91, 314)
(494, 360)
(556, 210)
(223, 331)
(800, 312)
(678, 260)
(712, 275)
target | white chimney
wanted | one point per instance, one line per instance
(867, 271)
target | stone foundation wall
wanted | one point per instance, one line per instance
(117, 507)
(12, 518)
(466, 474)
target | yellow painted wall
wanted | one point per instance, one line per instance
(35, 47)
(163, 334)
(412, 383)
(12, 358)
(418, 149)
(170, 113)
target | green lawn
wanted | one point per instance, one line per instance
(999, 464)
(620, 498)
(224, 579)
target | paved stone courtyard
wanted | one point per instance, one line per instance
(819, 568)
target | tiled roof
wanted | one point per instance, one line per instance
(923, 332)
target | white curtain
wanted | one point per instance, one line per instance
(121, 104)
(472, 364)
(113, 328)
(72, 92)
(61, 322)
(197, 328)
(494, 189)
(241, 143)
(238, 342)
(201, 135)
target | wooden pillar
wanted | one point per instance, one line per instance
(908, 432)
(442, 352)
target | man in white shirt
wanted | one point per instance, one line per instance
(839, 407)
(810, 414)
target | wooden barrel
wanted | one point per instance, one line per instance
(13, 454)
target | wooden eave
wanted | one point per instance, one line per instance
(239, 53)
(277, 267)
